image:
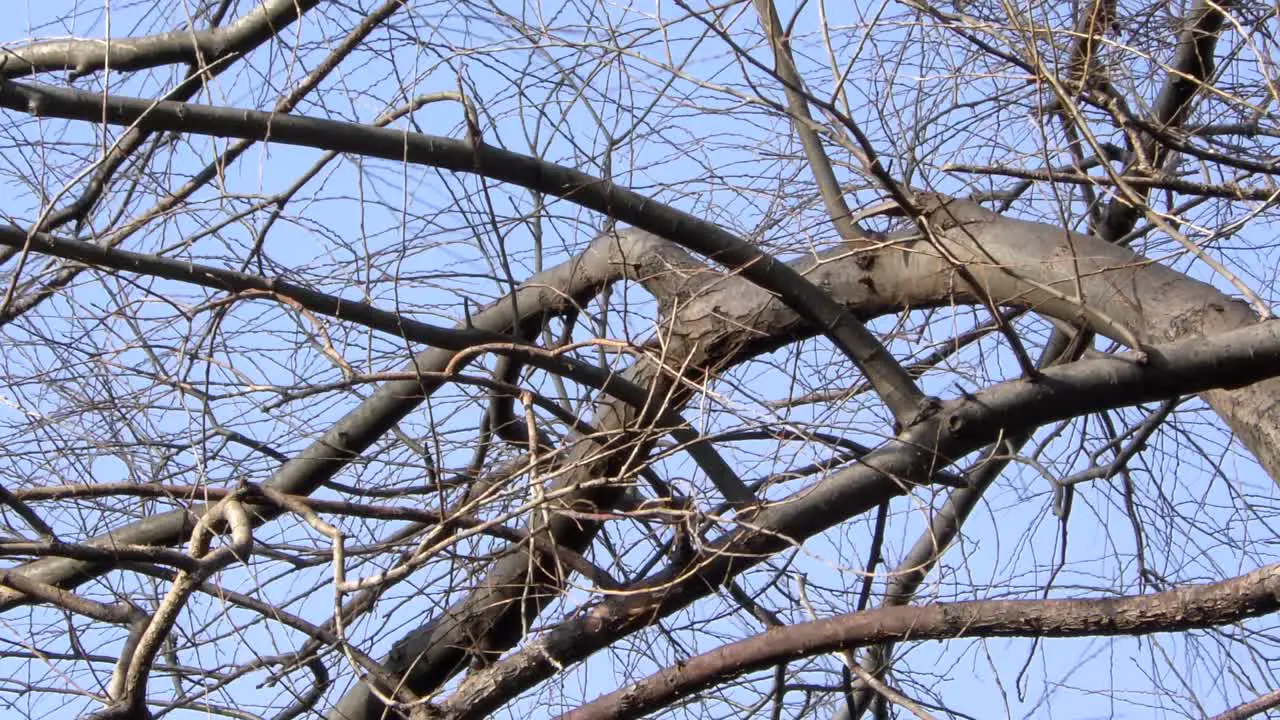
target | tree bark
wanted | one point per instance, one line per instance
(1072, 277)
(1195, 607)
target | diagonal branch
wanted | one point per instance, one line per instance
(802, 122)
(656, 263)
(545, 294)
(1254, 707)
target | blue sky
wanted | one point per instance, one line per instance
(426, 242)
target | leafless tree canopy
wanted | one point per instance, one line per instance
(383, 359)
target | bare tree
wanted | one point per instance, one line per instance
(445, 360)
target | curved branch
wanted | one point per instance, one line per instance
(896, 388)
(1194, 607)
(129, 683)
(190, 46)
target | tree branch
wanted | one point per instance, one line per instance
(962, 426)
(892, 383)
(1194, 607)
(189, 46)
(544, 294)
(1259, 704)
(1190, 68)
(802, 122)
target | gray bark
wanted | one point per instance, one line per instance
(1124, 296)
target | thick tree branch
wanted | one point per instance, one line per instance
(892, 383)
(1194, 607)
(495, 615)
(189, 46)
